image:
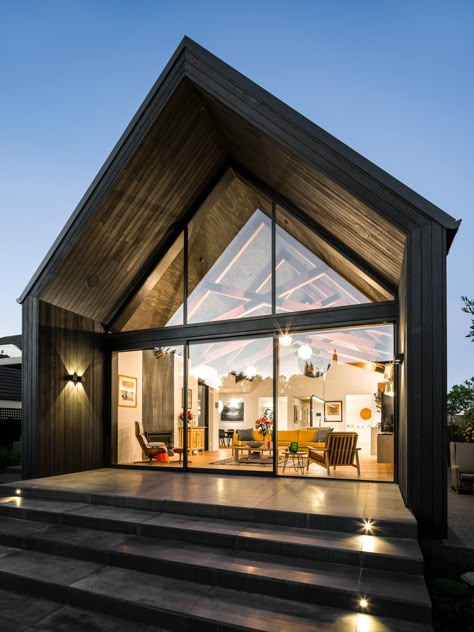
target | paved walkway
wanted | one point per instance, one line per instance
(460, 519)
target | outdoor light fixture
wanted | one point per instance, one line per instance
(18, 492)
(363, 603)
(305, 352)
(285, 340)
(75, 378)
(368, 526)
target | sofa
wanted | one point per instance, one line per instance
(312, 437)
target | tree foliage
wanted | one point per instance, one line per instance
(461, 398)
(469, 309)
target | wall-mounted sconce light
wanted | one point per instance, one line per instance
(75, 378)
(398, 358)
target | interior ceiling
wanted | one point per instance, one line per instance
(369, 348)
(178, 162)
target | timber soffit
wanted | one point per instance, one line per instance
(317, 148)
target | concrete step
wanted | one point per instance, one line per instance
(24, 613)
(400, 527)
(174, 604)
(393, 554)
(306, 580)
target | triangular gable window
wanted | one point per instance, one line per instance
(229, 268)
(304, 281)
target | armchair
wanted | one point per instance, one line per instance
(148, 449)
(340, 449)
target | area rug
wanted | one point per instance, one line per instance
(248, 460)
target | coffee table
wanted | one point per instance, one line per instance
(249, 450)
(300, 459)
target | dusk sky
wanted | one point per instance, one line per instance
(393, 80)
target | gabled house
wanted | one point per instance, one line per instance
(232, 261)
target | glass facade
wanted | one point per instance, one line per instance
(243, 256)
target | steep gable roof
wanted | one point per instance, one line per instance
(200, 118)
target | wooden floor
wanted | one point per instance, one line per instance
(369, 468)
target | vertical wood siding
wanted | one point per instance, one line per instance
(422, 430)
(64, 427)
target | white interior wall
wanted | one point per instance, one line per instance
(128, 448)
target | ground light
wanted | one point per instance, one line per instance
(363, 603)
(18, 492)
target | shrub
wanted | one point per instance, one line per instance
(9, 456)
(467, 428)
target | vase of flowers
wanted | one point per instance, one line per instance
(264, 425)
(190, 417)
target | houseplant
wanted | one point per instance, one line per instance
(190, 417)
(264, 425)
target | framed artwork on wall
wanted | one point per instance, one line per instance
(233, 410)
(127, 391)
(332, 411)
(297, 414)
(189, 403)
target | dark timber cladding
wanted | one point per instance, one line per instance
(208, 138)
(69, 419)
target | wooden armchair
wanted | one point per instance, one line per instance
(148, 449)
(340, 449)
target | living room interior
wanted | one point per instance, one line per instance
(330, 381)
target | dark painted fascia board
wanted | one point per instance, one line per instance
(368, 168)
(113, 156)
(72, 229)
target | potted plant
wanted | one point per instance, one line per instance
(190, 417)
(264, 425)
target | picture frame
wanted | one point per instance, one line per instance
(127, 391)
(297, 414)
(333, 411)
(189, 403)
(233, 410)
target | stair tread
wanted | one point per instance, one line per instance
(37, 504)
(254, 612)
(339, 576)
(394, 547)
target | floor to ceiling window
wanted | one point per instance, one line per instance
(243, 257)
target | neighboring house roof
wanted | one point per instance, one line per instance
(201, 120)
(11, 340)
(10, 384)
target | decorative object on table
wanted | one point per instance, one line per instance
(366, 414)
(189, 402)
(264, 426)
(255, 444)
(233, 410)
(332, 411)
(127, 391)
(190, 417)
(293, 447)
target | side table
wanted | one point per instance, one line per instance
(299, 460)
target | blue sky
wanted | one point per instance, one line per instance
(393, 80)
